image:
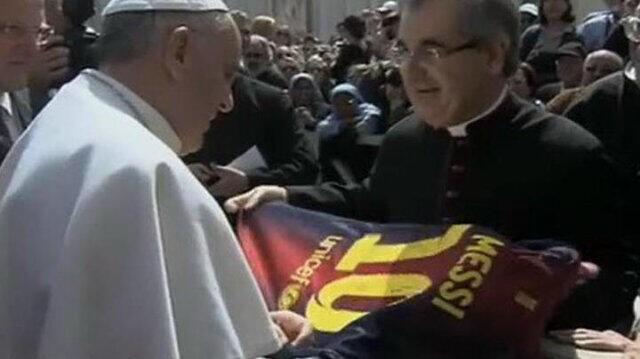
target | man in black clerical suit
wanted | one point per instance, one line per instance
(262, 117)
(610, 108)
(474, 153)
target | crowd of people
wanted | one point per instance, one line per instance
(559, 59)
(521, 119)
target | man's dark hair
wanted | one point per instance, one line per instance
(355, 26)
(78, 11)
(487, 20)
(567, 17)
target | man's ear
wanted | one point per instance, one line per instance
(497, 52)
(176, 54)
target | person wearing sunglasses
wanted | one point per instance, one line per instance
(610, 107)
(475, 153)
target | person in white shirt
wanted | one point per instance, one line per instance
(109, 246)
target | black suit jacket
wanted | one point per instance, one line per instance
(522, 171)
(263, 117)
(610, 109)
(274, 77)
(21, 111)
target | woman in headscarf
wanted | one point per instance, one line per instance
(349, 111)
(308, 102)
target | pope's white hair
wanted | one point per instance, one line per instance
(129, 35)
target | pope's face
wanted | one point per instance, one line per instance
(20, 21)
(211, 77)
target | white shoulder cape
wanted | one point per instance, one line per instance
(110, 248)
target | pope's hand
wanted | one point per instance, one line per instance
(292, 328)
(230, 182)
(255, 197)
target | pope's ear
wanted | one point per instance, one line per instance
(176, 52)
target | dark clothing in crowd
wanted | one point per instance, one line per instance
(610, 109)
(5, 146)
(618, 42)
(262, 117)
(83, 54)
(21, 117)
(560, 103)
(540, 54)
(522, 171)
(348, 56)
(548, 92)
(273, 77)
(396, 114)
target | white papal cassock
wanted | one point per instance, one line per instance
(110, 248)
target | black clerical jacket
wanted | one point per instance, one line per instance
(610, 109)
(262, 117)
(522, 171)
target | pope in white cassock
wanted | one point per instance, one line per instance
(109, 247)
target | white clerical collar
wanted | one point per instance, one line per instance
(461, 129)
(5, 102)
(630, 72)
(149, 116)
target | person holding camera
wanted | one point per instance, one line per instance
(65, 51)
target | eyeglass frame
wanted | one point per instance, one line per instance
(438, 52)
(13, 30)
(627, 32)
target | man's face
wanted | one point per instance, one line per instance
(317, 69)
(554, 9)
(20, 21)
(444, 92)
(245, 34)
(569, 70)
(211, 77)
(289, 67)
(285, 51)
(256, 57)
(283, 37)
(598, 66)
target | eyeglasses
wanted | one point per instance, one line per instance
(427, 55)
(16, 31)
(631, 25)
